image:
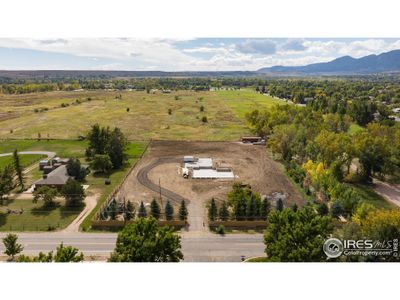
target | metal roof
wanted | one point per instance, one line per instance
(212, 174)
(200, 163)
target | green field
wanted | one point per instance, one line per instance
(34, 217)
(63, 148)
(148, 116)
(25, 160)
(244, 101)
(134, 152)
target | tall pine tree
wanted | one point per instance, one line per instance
(265, 209)
(142, 210)
(212, 210)
(129, 211)
(155, 209)
(223, 212)
(169, 211)
(183, 212)
(251, 208)
(18, 170)
(279, 204)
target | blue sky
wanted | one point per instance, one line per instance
(205, 54)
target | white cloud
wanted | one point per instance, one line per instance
(257, 46)
(164, 54)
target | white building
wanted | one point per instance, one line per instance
(203, 168)
(200, 163)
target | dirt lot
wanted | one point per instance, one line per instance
(250, 165)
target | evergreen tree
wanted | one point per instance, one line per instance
(265, 209)
(155, 209)
(130, 211)
(142, 211)
(112, 209)
(169, 211)
(212, 210)
(279, 204)
(224, 212)
(323, 209)
(183, 212)
(337, 209)
(240, 209)
(6, 181)
(251, 208)
(18, 170)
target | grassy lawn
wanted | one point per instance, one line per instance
(96, 182)
(37, 218)
(26, 160)
(63, 148)
(370, 196)
(34, 217)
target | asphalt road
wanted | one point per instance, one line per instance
(196, 246)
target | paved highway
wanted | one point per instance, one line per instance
(196, 246)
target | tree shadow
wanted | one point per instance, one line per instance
(101, 175)
(6, 201)
(3, 219)
(68, 210)
(44, 210)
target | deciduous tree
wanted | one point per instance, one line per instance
(145, 241)
(73, 192)
(297, 236)
(11, 245)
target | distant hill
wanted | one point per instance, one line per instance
(50, 74)
(346, 65)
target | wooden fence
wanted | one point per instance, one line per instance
(116, 224)
(118, 187)
(239, 224)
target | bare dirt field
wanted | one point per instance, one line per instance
(161, 163)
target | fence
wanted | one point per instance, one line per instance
(118, 187)
(239, 224)
(116, 224)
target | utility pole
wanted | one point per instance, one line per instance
(159, 184)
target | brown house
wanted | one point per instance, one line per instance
(55, 179)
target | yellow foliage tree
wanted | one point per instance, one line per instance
(382, 224)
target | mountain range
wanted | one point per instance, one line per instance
(388, 62)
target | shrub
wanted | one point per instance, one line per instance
(220, 230)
